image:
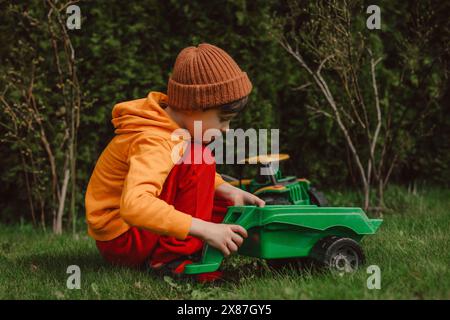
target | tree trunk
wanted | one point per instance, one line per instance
(366, 193)
(58, 223)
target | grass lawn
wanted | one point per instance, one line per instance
(412, 249)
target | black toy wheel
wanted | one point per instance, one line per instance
(317, 197)
(343, 255)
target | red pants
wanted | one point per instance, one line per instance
(190, 189)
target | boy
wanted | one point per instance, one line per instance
(144, 209)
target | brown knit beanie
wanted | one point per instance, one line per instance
(204, 77)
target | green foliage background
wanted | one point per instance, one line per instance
(127, 48)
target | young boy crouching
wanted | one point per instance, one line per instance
(144, 208)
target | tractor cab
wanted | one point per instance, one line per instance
(270, 185)
(268, 174)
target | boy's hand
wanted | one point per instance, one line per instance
(238, 196)
(225, 237)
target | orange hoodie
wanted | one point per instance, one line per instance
(130, 173)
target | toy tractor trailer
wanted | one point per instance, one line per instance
(295, 223)
(328, 235)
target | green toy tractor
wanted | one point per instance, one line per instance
(273, 187)
(294, 223)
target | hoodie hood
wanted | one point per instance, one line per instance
(143, 115)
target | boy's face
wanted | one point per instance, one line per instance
(210, 119)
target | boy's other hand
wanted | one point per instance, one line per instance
(238, 196)
(224, 237)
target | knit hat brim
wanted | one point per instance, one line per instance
(205, 96)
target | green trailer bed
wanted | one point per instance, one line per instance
(330, 235)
